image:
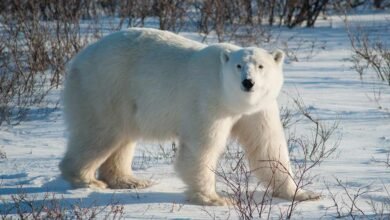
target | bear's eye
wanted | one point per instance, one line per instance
(261, 66)
(238, 66)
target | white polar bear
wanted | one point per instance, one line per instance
(146, 84)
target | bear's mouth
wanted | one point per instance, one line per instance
(246, 89)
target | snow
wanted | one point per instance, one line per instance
(330, 89)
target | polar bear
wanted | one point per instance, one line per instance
(152, 85)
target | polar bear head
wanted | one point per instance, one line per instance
(252, 78)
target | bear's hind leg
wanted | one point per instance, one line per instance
(83, 157)
(116, 170)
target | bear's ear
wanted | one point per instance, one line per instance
(278, 56)
(225, 56)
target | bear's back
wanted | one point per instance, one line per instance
(129, 45)
(148, 36)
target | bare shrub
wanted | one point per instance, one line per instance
(290, 13)
(249, 35)
(219, 15)
(39, 37)
(161, 154)
(319, 147)
(171, 14)
(348, 198)
(53, 206)
(381, 4)
(302, 50)
(306, 153)
(385, 162)
(213, 17)
(36, 51)
(347, 202)
(286, 117)
(135, 12)
(343, 6)
(3, 154)
(238, 177)
(369, 55)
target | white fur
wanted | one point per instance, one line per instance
(145, 84)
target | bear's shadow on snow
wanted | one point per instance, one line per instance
(56, 189)
(57, 185)
(104, 200)
(54, 193)
(94, 199)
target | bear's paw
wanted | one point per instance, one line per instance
(210, 200)
(128, 182)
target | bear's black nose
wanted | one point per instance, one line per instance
(248, 84)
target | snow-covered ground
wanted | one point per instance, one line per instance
(330, 89)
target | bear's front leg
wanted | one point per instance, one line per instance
(262, 137)
(197, 159)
